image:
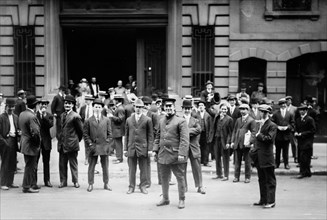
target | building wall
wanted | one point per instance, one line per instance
(20, 13)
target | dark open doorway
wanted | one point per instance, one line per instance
(107, 54)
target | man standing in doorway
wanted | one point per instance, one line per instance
(94, 87)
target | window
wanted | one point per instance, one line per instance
(24, 44)
(292, 5)
(203, 48)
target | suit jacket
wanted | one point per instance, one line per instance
(240, 129)
(138, 136)
(71, 132)
(204, 95)
(57, 105)
(97, 136)
(118, 122)
(172, 140)
(92, 91)
(194, 129)
(307, 129)
(129, 110)
(288, 121)
(226, 129)
(82, 113)
(155, 121)
(31, 136)
(208, 124)
(236, 114)
(4, 131)
(19, 107)
(265, 144)
(46, 123)
(253, 115)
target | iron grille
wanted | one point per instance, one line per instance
(24, 44)
(292, 5)
(203, 48)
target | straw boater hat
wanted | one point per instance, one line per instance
(288, 97)
(44, 101)
(139, 102)
(244, 106)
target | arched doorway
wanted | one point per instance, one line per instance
(306, 75)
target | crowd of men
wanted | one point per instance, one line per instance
(242, 127)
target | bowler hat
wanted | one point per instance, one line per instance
(70, 98)
(111, 102)
(302, 107)
(10, 101)
(187, 104)
(169, 100)
(281, 101)
(89, 97)
(158, 100)
(31, 100)
(265, 108)
(44, 101)
(146, 100)
(97, 101)
(139, 102)
(209, 82)
(244, 106)
(21, 92)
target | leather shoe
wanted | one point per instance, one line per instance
(36, 187)
(163, 202)
(181, 204)
(143, 190)
(107, 187)
(225, 179)
(30, 190)
(258, 203)
(299, 176)
(217, 177)
(4, 187)
(207, 165)
(130, 190)
(171, 183)
(13, 186)
(90, 188)
(201, 190)
(287, 167)
(48, 184)
(247, 180)
(76, 185)
(147, 185)
(269, 206)
(62, 185)
(118, 161)
(236, 180)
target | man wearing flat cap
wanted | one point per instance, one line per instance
(97, 136)
(305, 129)
(260, 93)
(242, 126)
(68, 144)
(118, 118)
(138, 146)
(30, 143)
(46, 122)
(264, 142)
(9, 133)
(233, 110)
(242, 93)
(171, 148)
(20, 102)
(293, 111)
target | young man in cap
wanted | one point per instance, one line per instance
(305, 129)
(30, 143)
(285, 125)
(9, 133)
(243, 93)
(171, 147)
(46, 122)
(265, 136)
(194, 129)
(233, 110)
(243, 125)
(68, 144)
(20, 102)
(97, 135)
(259, 94)
(138, 146)
(118, 118)
(293, 111)
(208, 92)
(57, 108)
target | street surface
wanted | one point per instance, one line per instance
(295, 199)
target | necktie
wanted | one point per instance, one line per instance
(64, 117)
(283, 113)
(98, 119)
(87, 112)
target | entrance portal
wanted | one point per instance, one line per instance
(107, 54)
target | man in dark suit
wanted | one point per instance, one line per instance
(30, 143)
(292, 110)
(46, 122)
(20, 102)
(205, 121)
(97, 135)
(57, 108)
(305, 129)
(118, 119)
(233, 110)
(194, 129)
(171, 148)
(155, 123)
(138, 146)
(9, 133)
(94, 87)
(242, 126)
(285, 125)
(264, 142)
(68, 144)
(208, 93)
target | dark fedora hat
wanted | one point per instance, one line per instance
(169, 100)
(10, 101)
(146, 100)
(98, 101)
(302, 107)
(31, 100)
(187, 103)
(209, 82)
(243, 85)
(44, 101)
(61, 87)
(70, 98)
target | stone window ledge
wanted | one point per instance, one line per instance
(270, 15)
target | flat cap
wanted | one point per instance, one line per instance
(265, 108)
(288, 97)
(98, 101)
(281, 101)
(244, 106)
(302, 107)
